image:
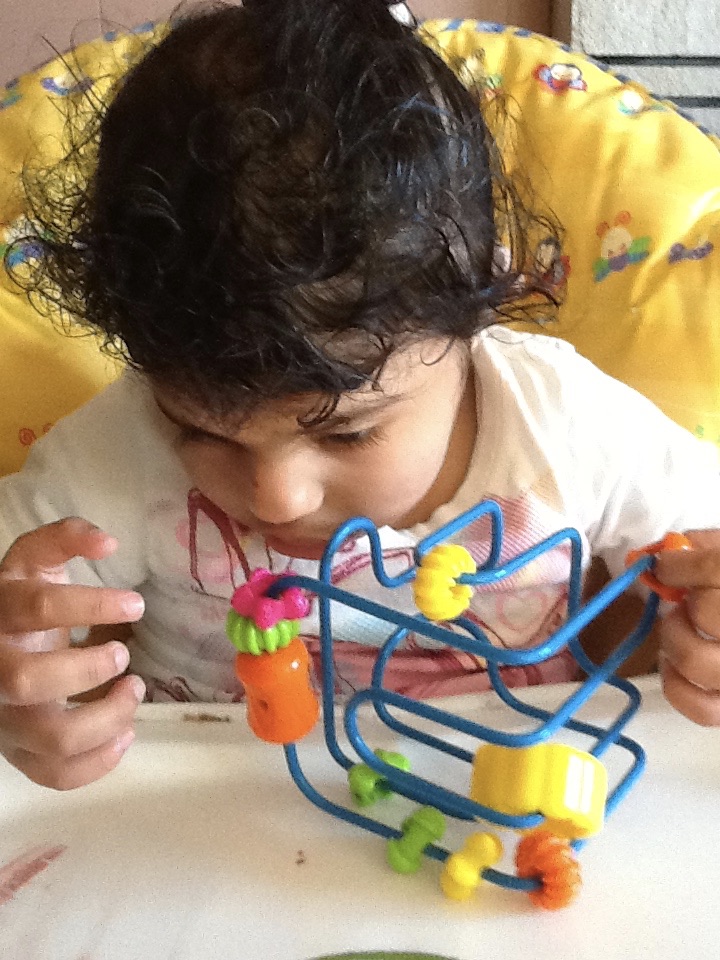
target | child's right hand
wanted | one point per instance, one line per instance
(53, 744)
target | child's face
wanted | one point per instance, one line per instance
(393, 455)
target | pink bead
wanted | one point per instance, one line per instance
(250, 600)
(267, 612)
(297, 604)
(244, 599)
(261, 579)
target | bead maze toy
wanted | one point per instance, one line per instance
(553, 794)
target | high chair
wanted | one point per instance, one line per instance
(634, 183)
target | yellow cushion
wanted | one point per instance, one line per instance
(637, 188)
(45, 374)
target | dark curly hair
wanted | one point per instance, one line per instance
(276, 197)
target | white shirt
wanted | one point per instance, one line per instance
(559, 444)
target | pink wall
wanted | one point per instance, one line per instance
(24, 23)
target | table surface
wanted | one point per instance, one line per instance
(200, 847)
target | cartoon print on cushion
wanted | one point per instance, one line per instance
(550, 262)
(481, 26)
(707, 433)
(473, 73)
(633, 100)
(10, 95)
(553, 264)
(560, 77)
(492, 87)
(66, 84)
(27, 436)
(21, 252)
(681, 204)
(618, 249)
(146, 27)
(679, 252)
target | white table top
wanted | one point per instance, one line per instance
(200, 847)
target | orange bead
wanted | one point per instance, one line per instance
(671, 541)
(549, 859)
(281, 704)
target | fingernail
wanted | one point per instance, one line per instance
(133, 606)
(121, 655)
(138, 688)
(110, 540)
(124, 741)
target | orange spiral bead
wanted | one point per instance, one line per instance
(671, 541)
(549, 858)
(281, 704)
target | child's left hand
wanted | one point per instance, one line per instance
(690, 633)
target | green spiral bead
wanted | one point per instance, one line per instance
(247, 637)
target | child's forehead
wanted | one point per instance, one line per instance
(406, 374)
(284, 412)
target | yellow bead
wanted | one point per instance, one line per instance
(437, 594)
(464, 869)
(567, 786)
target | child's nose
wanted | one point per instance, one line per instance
(285, 489)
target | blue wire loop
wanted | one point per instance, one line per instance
(469, 637)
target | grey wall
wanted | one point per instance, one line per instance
(672, 46)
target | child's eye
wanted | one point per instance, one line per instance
(191, 435)
(197, 435)
(358, 438)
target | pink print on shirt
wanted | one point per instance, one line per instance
(518, 612)
(198, 503)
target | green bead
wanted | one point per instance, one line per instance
(424, 827)
(398, 760)
(247, 637)
(367, 785)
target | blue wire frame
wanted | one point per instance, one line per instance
(473, 640)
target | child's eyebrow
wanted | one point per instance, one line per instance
(186, 424)
(367, 409)
(332, 421)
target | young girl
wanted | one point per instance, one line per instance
(292, 229)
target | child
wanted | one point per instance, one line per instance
(293, 233)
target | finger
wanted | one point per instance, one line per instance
(704, 539)
(27, 679)
(699, 567)
(694, 657)
(31, 605)
(52, 545)
(702, 607)
(78, 771)
(700, 706)
(61, 732)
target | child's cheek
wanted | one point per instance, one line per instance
(218, 476)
